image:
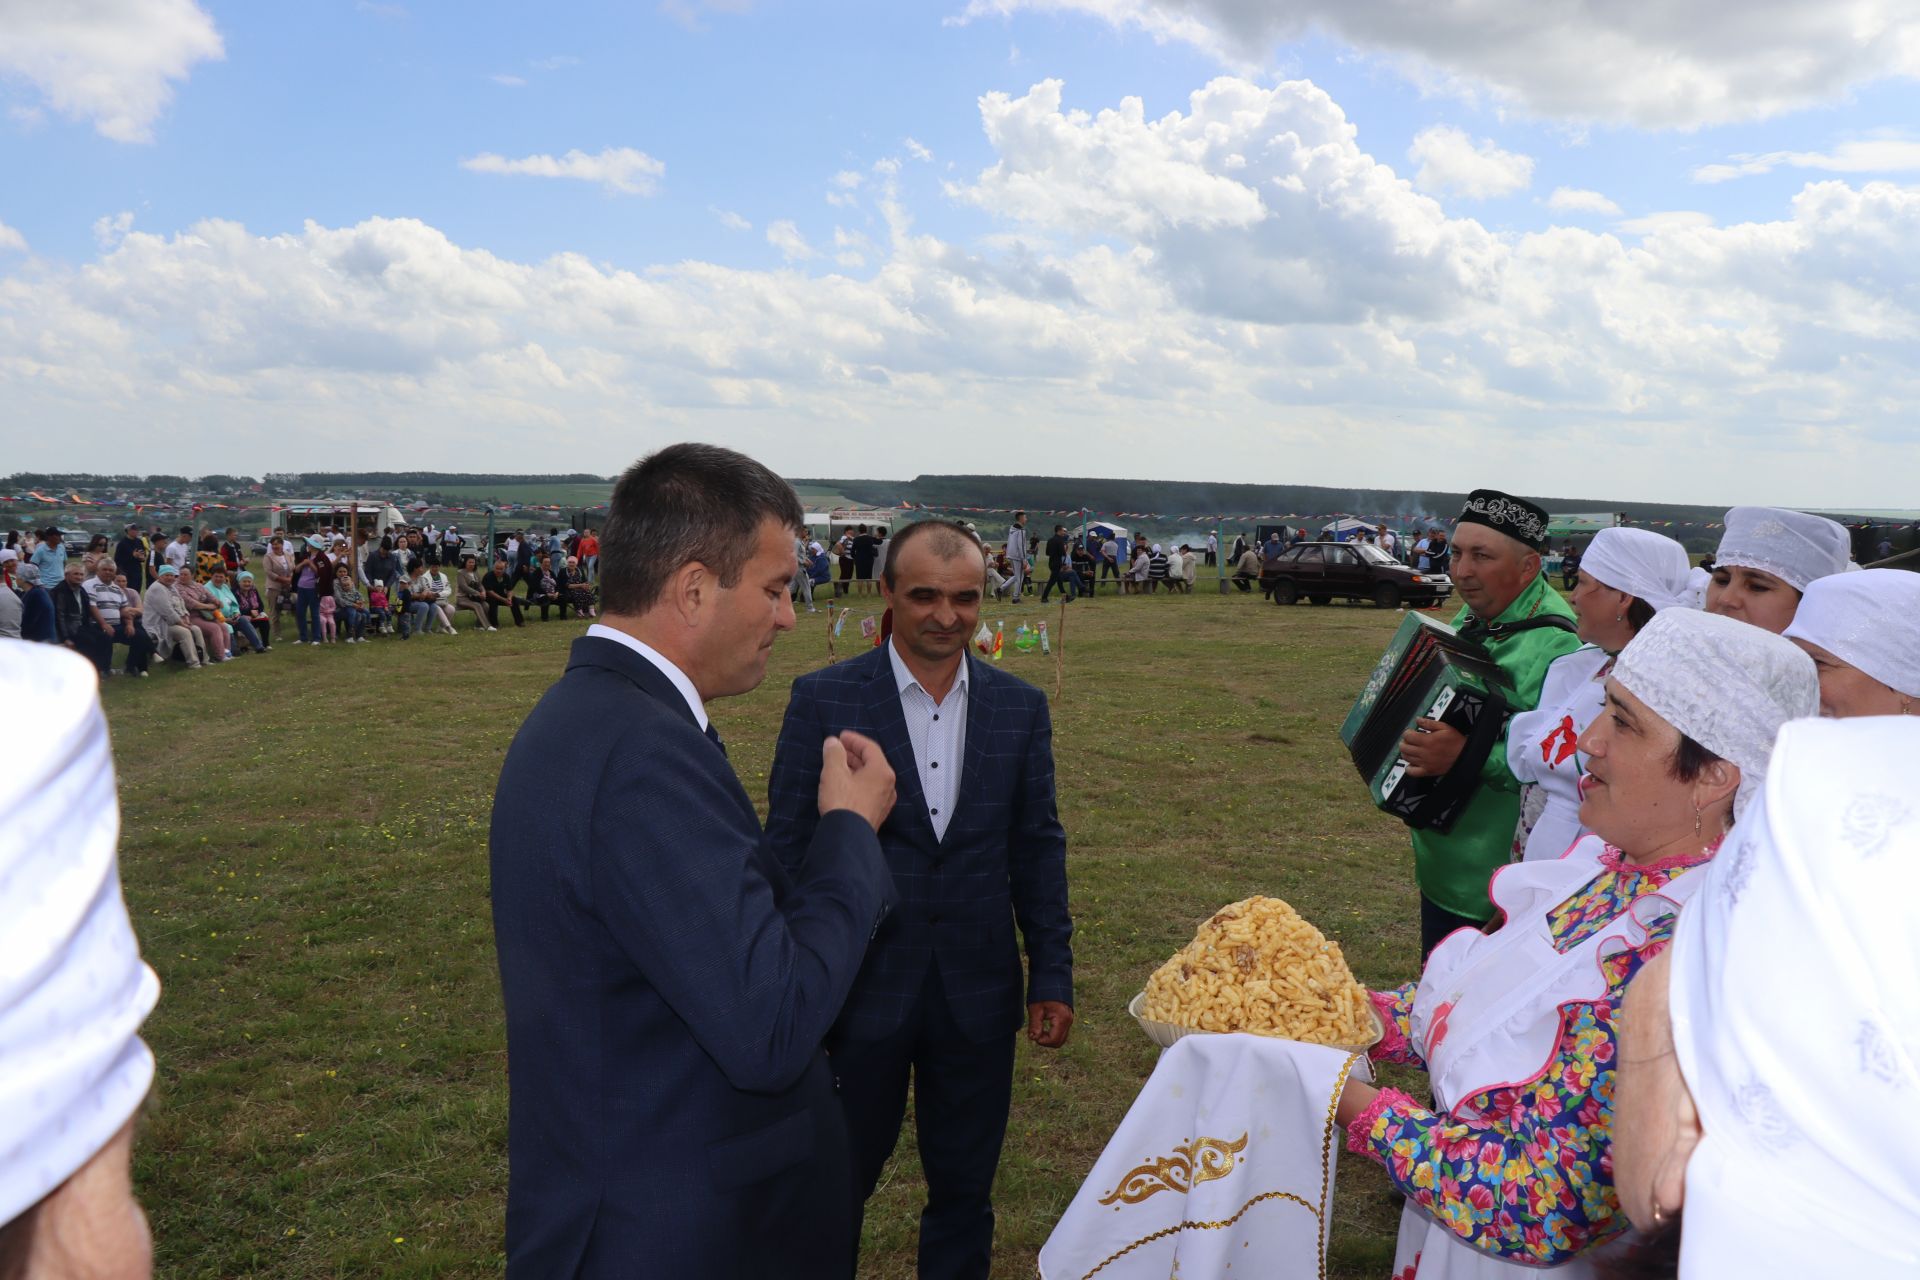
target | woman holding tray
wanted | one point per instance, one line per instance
(1626, 577)
(1511, 1171)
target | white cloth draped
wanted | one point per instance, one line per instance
(1795, 997)
(1541, 752)
(73, 991)
(1223, 1167)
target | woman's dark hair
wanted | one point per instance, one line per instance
(470, 561)
(386, 542)
(1690, 760)
(1653, 1255)
(16, 1244)
(415, 564)
(1639, 614)
(685, 503)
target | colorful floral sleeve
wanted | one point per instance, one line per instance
(1534, 1180)
(1395, 1007)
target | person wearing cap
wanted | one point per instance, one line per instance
(1517, 1028)
(1524, 624)
(1765, 1123)
(50, 556)
(165, 617)
(1626, 577)
(1767, 559)
(1862, 631)
(73, 990)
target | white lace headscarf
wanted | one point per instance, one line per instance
(1646, 565)
(1791, 545)
(73, 991)
(1726, 685)
(1869, 620)
(1795, 997)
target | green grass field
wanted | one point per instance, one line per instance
(305, 856)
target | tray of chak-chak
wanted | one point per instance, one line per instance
(1257, 966)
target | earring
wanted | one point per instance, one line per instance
(1696, 821)
(1619, 617)
(1659, 1214)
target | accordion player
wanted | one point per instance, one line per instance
(1429, 671)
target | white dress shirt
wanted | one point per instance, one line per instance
(667, 669)
(938, 732)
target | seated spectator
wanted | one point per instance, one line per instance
(72, 614)
(440, 591)
(1000, 574)
(1142, 571)
(115, 620)
(583, 598)
(1246, 570)
(542, 589)
(415, 607)
(73, 1071)
(496, 589)
(379, 606)
(1189, 570)
(203, 614)
(237, 626)
(1176, 578)
(253, 609)
(9, 613)
(166, 619)
(469, 594)
(349, 606)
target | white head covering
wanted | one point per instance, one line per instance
(73, 991)
(1726, 685)
(1869, 620)
(1646, 565)
(1791, 545)
(1795, 997)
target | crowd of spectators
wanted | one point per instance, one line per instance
(210, 599)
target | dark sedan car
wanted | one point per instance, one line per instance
(1319, 571)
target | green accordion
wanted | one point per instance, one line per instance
(1428, 672)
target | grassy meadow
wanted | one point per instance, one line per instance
(304, 852)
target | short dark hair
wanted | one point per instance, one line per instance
(951, 540)
(1690, 760)
(687, 502)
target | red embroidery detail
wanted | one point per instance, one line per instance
(1439, 1031)
(1569, 739)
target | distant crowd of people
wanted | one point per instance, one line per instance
(205, 600)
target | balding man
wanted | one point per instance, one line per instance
(1525, 625)
(976, 847)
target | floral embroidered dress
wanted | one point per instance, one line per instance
(1516, 1029)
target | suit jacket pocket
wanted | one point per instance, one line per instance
(758, 1155)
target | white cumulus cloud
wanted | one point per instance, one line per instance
(1452, 163)
(731, 220)
(1676, 63)
(621, 169)
(786, 237)
(1580, 200)
(1863, 155)
(11, 240)
(112, 63)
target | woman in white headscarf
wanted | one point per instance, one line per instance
(1767, 559)
(1515, 1028)
(1862, 631)
(1771, 1066)
(1625, 578)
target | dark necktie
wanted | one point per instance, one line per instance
(714, 734)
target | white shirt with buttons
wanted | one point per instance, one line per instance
(938, 733)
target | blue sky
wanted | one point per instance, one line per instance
(798, 224)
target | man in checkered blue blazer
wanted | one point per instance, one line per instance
(976, 848)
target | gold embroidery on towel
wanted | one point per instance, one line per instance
(1201, 1160)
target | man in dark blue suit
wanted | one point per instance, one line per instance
(668, 983)
(975, 846)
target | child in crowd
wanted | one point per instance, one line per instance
(379, 613)
(327, 607)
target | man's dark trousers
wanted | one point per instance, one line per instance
(1058, 578)
(962, 1091)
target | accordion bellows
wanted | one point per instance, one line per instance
(1428, 672)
